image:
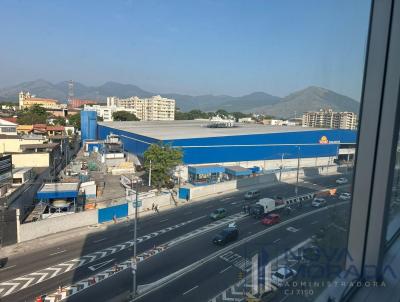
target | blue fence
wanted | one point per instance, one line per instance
(108, 214)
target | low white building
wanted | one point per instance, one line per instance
(8, 128)
(277, 122)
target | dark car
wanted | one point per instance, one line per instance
(257, 211)
(227, 235)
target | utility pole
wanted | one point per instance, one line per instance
(150, 174)
(133, 261)
(280, 172)
(296, 189)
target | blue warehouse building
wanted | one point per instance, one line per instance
(245, 145)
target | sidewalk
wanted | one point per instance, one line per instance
(78, 233)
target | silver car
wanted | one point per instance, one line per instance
(318, 202)
(345, 196)
(282, 276)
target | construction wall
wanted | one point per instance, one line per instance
(33, 230)
(266, 179)
(160, 200)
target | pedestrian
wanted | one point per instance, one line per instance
(152, 206)
(187, 197)
(115, 218)
(156, 208)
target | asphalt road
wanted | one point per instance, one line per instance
(208, 280)
(158, 266)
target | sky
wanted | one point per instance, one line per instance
(195, 47)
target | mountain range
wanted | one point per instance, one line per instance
(309, 99)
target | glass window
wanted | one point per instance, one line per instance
(393, 226)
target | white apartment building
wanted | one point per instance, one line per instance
(330, 119)
(105, 112)
(155, 108)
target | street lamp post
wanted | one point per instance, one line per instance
(133, 261)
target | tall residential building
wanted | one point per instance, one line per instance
(26, 100)
(155, 108)
(327, 118)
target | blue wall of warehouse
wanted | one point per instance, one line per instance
(243, 147)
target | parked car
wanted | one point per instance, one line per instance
(271, 219)
(225, 236)
(252, 194)
(318, 202)
(342, 181)
(345, 196)
(282, 276)
(218, 214)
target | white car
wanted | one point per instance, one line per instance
(342, 181)
(318, 202)
(345, 196)
(282, 276)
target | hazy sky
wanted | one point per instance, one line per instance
(189, 46)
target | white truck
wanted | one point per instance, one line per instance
(267, 205)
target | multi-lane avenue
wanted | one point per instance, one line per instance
(178, 260)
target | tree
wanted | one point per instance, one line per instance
(33, 115)
(164, 160)
(59, 120)
(124, 116)
(75, 120)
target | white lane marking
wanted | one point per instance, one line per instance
(99, 265)
(276, 240)
(188, 291)
(225, 269)
(292, 229)
(314, 222)
(59, 252)
(256, 222)
(8, 267)
(99, 240)
(164, 220)
(284, 298)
